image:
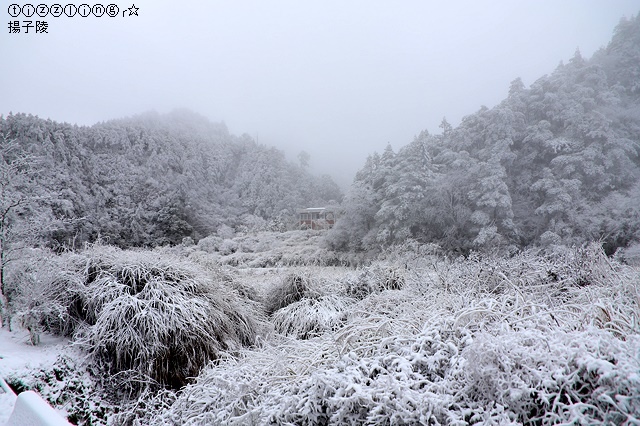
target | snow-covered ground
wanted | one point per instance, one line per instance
(7, 400)
(414, 338)
(18, 354)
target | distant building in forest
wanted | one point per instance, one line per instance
(316, 218)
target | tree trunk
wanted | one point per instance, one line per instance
(3, 299)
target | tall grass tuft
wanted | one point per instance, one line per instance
(375, 279)
(150, 318)
(293, 288)
(311, 317)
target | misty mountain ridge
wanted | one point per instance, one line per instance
(155, 179)
(555, 163)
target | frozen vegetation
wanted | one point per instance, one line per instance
(152, 271)
(416, 338)
(553, 163)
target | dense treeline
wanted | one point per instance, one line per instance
(152, 179)
(557, 162)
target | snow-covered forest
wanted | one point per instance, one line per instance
(554, 163)
(152, 180)
(153, 270)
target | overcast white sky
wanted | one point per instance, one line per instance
(338, 79)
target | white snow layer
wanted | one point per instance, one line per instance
(16, 354)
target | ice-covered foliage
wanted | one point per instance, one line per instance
(69, 386)
(278, 249)
(226, 275)
(555, 162)
(46, 297)
(630, 255)
(304, 305)
(578, 377)
(293, 288)
(532, 339)
(311, 316)
(153, 180)
(374, 279)
(146, 316)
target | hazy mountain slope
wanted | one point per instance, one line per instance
(557, 162)
(154, 179)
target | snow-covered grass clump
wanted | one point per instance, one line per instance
(374, 279)
(311, 316)
(304, 307)
(293, 288)
(148, 317)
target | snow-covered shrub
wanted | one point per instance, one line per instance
(488, 274)
(266, 260)
(560, 269)
(374, 279)
(68, 386)
(162, 318)
(228, 247)
(405, 380)
(293, 288)
(310, 316)
(630, 255)
(141, 410)
(442, 375)
(224, 275)
(588, 264)
(150, 317)
(47, 298)
(39, 291)
(210, 244)
(581, 377)
(244, 289)
(245, 390)
(225, 232)
(248, 243)
(266, 244)
(408, 251)
(238, 258)
(253, 223)
(282, 222)
(276, 249)
(549, 238)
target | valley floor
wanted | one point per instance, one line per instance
(411, 338)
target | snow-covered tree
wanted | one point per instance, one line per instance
(21, 211)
